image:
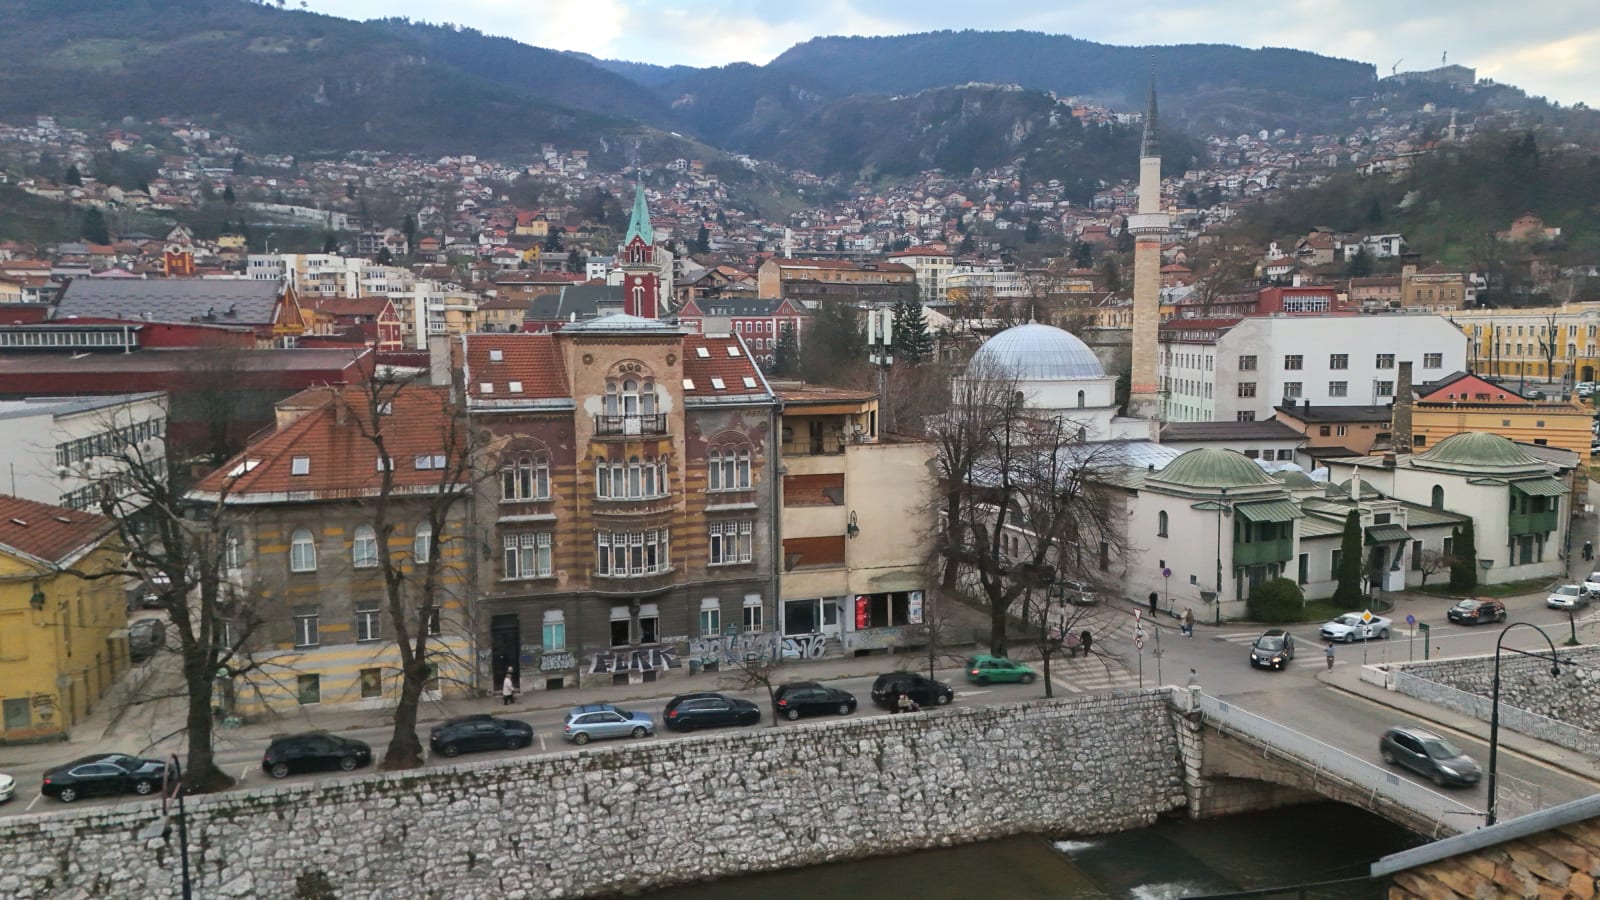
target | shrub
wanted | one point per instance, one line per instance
(1278, 600)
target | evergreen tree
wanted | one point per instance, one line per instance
(385, 258)
(1464, 558)
(838, 245)
(702, 240)
(912, 343)
(409, 229)
(330, 242)
(73, 176)
(786, 355)
(227, 195)
(93, 227)
(1348, 594)
(836, 345)
(1360, 265)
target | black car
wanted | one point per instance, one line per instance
(1429, 755)
(1272, 650)
(923, 690)
(314, 751)
(807, 698)
(686, 712)
(481, 732)
(145, 637)
(104, 773)
(1474, 612)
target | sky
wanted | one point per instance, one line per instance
(1546, 47)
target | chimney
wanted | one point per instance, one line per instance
(1401, 426)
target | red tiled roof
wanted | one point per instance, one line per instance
(533, 361)
(338, 458)
(350, 306)
(724, 358)
(49, 533)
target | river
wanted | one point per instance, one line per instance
(1317, 842)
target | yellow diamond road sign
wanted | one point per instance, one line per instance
(1366, 616)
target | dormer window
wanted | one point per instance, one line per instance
(497, 355)
(300, 465)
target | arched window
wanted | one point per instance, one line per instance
(630, 397)
(1438, 496)
(647, 399)
(611, 398)
(742, 468)
(1080, 399)
(364, 548)
(714, 469)
(1161, 524)
(635, 473)
(302, 551)
(526, 478)
(422, 543)
(230, 548)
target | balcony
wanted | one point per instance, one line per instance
(1256, 553)
(1533, 522)
(630, 425)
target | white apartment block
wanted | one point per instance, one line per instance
(60, 450)
(984, 282)
(1240, 372)
(933, 271)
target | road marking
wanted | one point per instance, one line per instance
(972, 693)
(36, 798)
(542, 748)
(244, 772)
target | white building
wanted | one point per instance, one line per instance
(933, 269)
(1057, 374)
(966, 284)
(1217, 371)
(58, 450)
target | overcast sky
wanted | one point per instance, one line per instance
(1546, 47)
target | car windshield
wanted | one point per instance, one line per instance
(1272, 642)
(1568, 590)
(1467, 605)
(1348, 620)
(1439, 748)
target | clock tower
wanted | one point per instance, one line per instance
(641, 270)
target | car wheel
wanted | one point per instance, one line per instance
(581, 738)
(514, 743)
(347, 763)
(1027, 679)
(67, 794)
(982, 680)
(942, 699)
(686, 726)
(639, 731)
(450, 750)
(1383, 635)
(143, 787)
(791, 714)
(844, 709)
(279, 770)
(1387, 757)
(1349, 637)
(1500, 618)
(1438, 779)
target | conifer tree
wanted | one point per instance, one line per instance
(1464, 562)
(912, 343)
(786, 356)
(1348, 594)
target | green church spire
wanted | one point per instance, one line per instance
(639, 222)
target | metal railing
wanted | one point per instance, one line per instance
(1322, 758)
(1515, 718)
(654, 423)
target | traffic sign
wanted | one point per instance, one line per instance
(1166, 573)
(1138, 642)
(1366, 616)
(1410, 619)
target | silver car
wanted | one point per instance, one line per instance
(1567, 596)
(1356, 627)
(602, 720)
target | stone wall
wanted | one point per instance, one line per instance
(1561, 862)
(1558, 709)
(636, 815)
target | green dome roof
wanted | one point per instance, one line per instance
(1476, 449)
(1294, 478)
(1210, 467)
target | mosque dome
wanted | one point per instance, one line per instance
(1476, 451)
(1211, 467)
(1035, 352)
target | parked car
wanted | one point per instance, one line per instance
(1272, 650)
(1080, 594)
(467, 734)
(104, 773)
(686, 712)
(888, 687)
(1568, 596)
(1474, 611)
(1429, 755)
(1592, 583)
(807, 698)
(8, 787)
(998, 669)
(145, 637)
(314, 751)
(1356, 627)
(602, 720)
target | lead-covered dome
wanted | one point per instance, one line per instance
(1035, 352)
(1213, 468)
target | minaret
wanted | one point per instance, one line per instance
(1148, 225)
(641, 276)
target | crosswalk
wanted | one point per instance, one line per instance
(1396, 633)
(1094, 675)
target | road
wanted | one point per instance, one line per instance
(1293, 697)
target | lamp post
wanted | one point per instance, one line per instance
(1222, 505)
(1494, 707)
(172, 788)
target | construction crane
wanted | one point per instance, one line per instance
(1396, 66)
(1443, 56)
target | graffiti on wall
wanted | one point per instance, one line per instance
(552, 662)
(763, 645)
(654, 659)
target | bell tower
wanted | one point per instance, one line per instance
(641, 274)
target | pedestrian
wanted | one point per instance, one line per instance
(1153, 599)
(906, 704)
(1194, 679)
(1188, 622)
(1329, 654)
(1086, 640)
(1588, 550)
(508, 689)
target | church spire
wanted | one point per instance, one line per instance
(1152, 145)
(639, 222)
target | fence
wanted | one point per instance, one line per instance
(1381, 783)
(1479, 707)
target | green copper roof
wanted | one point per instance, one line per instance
(639, 222)
(1210, 467)
(1477, 450)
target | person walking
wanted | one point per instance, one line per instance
(1086, 641)
(1153, 601)
(1588, 550)
(1188, 622)
(508, 689)
(1329, 654)
(1194, 679)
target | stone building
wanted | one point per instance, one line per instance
(817, 281)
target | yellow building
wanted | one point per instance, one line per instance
(1469, 403)
(63, 639)
(1545, 343)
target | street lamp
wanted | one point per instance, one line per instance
(1494, 706)
(1222, 506)
(173, 778)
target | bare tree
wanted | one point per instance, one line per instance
(1432, 562)
(760, 670)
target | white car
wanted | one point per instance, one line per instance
(8, 787)
(1356, 627)
(1592, 583)
(1568, 596)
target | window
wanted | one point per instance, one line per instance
(625, 554)
(302, 551)
(710, 617)
(526, 478)
(1252, 454)
(1324, 430)
(1294, 362)
(527, 555)
(1245, 415)
(1161, 524)
(308, 689)
(728, 468)
(731, 542)
(367, 621)
(1292, 389)
(1247, 388)
(422, 543)
(635, 479)
(364, 548)
(1338, 389)
(230, 548)
(1437, 498)
(424, 461)
(306, 633)
(1285, 455)
(300, 465)
(1385, 361)
(752, 613)
(1433, 360)
(371, 683)
(554, 634)
(1341, 430)
(1247, 363)
(1383, 388)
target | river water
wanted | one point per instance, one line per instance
(1296, 845)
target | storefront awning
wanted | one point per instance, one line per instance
(1386, 534)
(1541, 487)
(1269, 511)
